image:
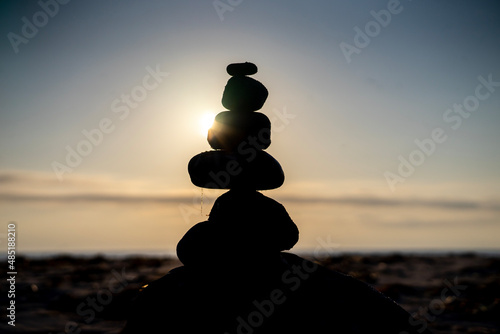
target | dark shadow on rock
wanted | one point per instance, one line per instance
(243, 227)
(287, 295)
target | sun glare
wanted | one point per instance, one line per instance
(206, 121)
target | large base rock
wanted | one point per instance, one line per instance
(290, 295)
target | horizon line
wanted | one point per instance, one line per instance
(93, 197)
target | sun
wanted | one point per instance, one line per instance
(206, 120)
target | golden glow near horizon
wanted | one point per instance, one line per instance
(205, 122)
(125, 131)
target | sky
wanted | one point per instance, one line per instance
(385, 119)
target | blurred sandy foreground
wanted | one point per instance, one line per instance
(66, 294)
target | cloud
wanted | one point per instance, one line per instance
(92, 197)
(30, 186)
(379, 201)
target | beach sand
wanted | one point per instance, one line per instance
(67, 294)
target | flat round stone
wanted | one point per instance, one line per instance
(233, 129)
(241, 69)
(247, 169)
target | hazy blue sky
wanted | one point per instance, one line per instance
(352, 87)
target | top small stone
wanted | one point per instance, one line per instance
(241, 69)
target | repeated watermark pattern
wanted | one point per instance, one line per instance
(97, 302)
(453, 117)
(30, 28)
(292, 279)
(121, 107)
(436, 306)
(223, 6)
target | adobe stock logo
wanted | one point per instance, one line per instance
(291, 281)
(30, 29)
(222, 6)
(453, 117)
(121, 106)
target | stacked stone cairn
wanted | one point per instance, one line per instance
(235, 277)
(243, 225)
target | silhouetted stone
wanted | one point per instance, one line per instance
(230, 129)
(243, 225)
(249, 169)
(244, 94)
(286, 295)
(235, 279)
(241, 69)
(232, 243)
